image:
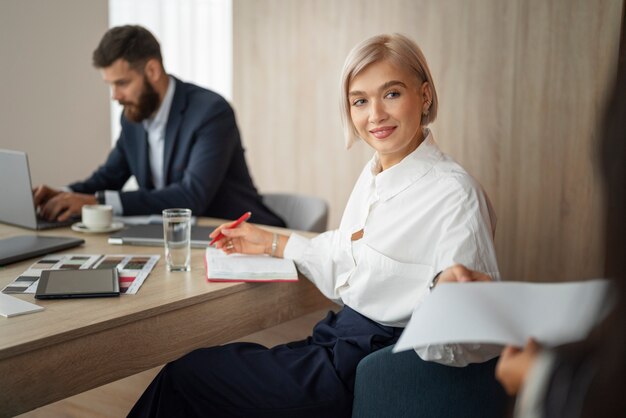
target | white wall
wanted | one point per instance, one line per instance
(53, 103)
(195, 37)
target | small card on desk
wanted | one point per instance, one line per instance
(12, 306)
(247, 268)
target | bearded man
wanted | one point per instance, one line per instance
(180, 141)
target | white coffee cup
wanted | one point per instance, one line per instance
(97, 217)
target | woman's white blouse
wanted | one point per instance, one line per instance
(419, 217)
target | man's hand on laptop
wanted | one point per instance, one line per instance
(43, 193)
(58, 205)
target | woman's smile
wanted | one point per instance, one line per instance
(382, 132)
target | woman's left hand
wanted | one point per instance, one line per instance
(514, 365)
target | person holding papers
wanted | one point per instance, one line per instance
(180, 141)
(412, 215)
(586, 379)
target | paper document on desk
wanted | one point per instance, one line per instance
(133, 269)
(506, 313)
(248, 268)
(11, 306)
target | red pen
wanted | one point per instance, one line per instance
(235, 224)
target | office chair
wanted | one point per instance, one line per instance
(403, 385)
(304, 213)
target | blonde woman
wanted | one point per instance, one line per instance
(413, 214)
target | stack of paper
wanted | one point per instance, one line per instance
(507, 313)
(248, 268)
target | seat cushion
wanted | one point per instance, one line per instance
(403, 385)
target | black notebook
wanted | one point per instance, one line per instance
(152, 235)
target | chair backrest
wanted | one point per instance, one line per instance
(403, 385)
(304, 213)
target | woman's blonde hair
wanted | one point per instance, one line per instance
(400, 51)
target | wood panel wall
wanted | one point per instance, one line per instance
(521, 86)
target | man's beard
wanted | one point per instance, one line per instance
(148, 104)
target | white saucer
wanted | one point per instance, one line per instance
(80, 227)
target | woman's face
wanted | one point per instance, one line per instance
(386, 106)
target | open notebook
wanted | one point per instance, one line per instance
(247, 268)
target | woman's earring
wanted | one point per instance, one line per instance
(427, 109)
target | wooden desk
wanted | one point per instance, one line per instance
(76, 345)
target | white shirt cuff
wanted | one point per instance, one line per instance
(458, 355)
(112, 198)
(296, 247)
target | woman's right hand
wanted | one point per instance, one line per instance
(244, 239)
(460, 273)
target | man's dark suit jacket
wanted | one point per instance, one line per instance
(204, 168)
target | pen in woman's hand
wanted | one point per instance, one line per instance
(235, 224)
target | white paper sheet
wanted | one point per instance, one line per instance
(12, 306)
(506, 313)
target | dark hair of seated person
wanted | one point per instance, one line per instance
(132, 43)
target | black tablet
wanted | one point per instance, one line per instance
(55, 284)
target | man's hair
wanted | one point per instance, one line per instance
(131, 43)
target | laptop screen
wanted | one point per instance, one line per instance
(16, 206)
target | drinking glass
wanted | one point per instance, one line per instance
(177, 237)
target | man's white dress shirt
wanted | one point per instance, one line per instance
(419, 217)
(155, 128)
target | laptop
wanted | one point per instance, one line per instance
(22, 247)
(152, 235)
(17, 206)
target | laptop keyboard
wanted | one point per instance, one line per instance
(46, 224)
